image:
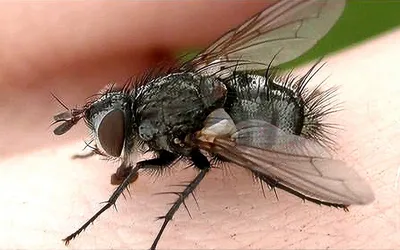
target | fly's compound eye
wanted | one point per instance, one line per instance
(111, 132)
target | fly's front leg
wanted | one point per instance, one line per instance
(121, 174)
(83, 156)
(164, 159)
(94, 150)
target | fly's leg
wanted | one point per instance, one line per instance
(118, 177)
(121, 174)
(94, 151)
(83, 156)
(201, 162)
(163, 160)
(111, 202)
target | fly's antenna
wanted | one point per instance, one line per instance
(68, 118)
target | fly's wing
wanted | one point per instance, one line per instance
(279, 34)
(293, 161)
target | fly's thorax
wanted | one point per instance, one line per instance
(171, 107)
(260, 98)
(108, 118)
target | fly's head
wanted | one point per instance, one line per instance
(107, 117)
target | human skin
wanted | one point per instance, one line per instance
(74, 49)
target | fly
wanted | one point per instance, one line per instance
(216, 108)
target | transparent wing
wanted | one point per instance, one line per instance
(295, 162)
(282, 32)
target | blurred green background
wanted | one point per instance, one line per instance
(361, 20)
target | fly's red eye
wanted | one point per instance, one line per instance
(111, 132)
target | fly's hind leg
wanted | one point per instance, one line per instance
(200, 162)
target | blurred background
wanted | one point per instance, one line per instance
(46, 197)
(361, 20)
(61, 48)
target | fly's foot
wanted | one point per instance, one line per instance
(122, 172)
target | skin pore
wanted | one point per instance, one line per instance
(66, 49)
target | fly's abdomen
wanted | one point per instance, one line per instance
(256, 97)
